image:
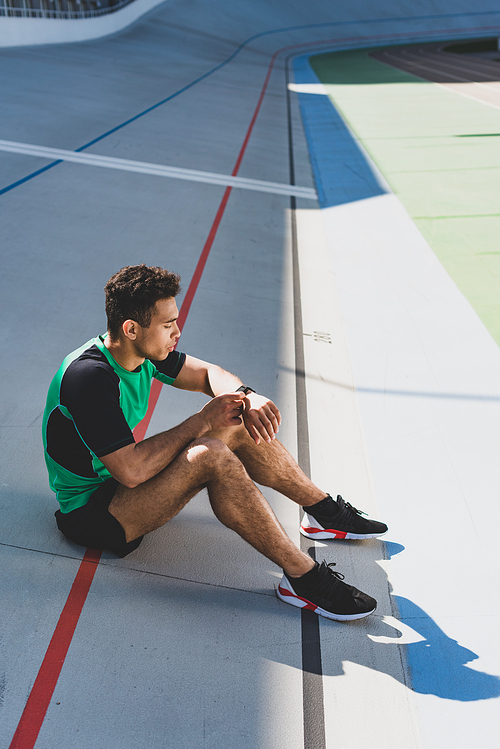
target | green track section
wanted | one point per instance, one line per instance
(440, 153)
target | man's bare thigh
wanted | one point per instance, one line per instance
(153, 503)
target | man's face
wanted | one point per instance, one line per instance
(159, 339)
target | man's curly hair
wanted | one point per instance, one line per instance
(132, 293)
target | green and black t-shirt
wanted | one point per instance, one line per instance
(92, 407)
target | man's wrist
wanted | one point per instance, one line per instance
(200, 424)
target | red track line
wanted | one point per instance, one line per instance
(41, 693)
(141, 429)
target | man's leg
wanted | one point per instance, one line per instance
(270, 464)
(239, 505)
(235, 500)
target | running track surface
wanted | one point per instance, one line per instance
(183, 643)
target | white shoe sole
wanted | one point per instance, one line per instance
(285, 593)
(310, 528)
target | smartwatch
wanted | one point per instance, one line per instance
(244, 389)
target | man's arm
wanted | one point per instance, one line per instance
(203, 377)
(261, 416)
(136, 463)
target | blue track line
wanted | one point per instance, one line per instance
(244, 44)
(342, 174)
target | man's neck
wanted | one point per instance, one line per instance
(123, 353)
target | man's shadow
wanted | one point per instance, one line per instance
(431, 662)
(438, 664)
(400, 639)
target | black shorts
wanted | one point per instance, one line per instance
(93, 525)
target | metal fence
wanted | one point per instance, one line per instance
(59, 8)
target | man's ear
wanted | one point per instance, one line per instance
(129, 328)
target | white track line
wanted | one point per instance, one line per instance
(158, 170)
(471, 68)
(411, 61)
(448, 86)
(464, 71)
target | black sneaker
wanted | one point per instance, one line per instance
(339, 520)
(326, 594)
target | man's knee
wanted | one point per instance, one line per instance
(209, 450)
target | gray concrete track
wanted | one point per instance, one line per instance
(183, 643)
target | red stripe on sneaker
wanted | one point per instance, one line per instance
(285, 592)
(337, 534)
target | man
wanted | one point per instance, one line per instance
(112, 490)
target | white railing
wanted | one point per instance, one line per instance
(58, 8)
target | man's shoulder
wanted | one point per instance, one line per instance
(87, 369)
(86, 351)
(84, 381)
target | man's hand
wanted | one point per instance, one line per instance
(223, 411)
(261, 417)
(136, 463)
